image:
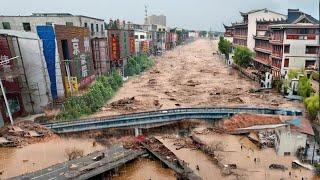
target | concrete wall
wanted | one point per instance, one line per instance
(289, 141)
(252, 24)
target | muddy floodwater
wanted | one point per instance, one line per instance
(144, 169)
(16, 161)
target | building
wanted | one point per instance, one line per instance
(142, 41)
(193, 34)
(29, 23)
(68, 55)
(25, 77)
(157, 20)
(229, 32)
(121, 44)
(294, 43)
(244, 32)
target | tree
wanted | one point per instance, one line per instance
(304, 87)
(312, 105)
(243, 56)
(225, 47)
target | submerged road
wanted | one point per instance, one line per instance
(146, 119)
(85, 167)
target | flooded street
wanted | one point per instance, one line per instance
(16, 161)
(144, 169)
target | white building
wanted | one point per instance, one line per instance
(245, 31)
(141, 36)
(29, 23)
(295, 43)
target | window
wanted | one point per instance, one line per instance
(97, 27)
(6, 25)
(49, 23)
(141, 36)
(86, 25)
(310, 64)
(136, 37)
(311, 49)
(286, 48)
(26, 26)
(101, 27)
(69, 23)
(286, 63)
(92, 27)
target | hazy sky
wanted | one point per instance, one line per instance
(190, 14)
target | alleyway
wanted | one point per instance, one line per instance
(190, 76)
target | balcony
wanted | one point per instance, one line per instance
(277, 55)
(262, 61)
(263, 49)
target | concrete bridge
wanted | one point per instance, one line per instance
(151, 118)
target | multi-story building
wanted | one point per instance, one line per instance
(68, 55)
(29, 23)
(244, 32)
(294, 43)
(229, 32)
(121, 44)
(157, 20)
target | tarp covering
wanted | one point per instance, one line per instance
(46, 33)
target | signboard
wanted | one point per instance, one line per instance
(74, 84)
(114, 48)
(132, 45)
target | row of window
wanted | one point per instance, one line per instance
(27, 27)
(309, 64)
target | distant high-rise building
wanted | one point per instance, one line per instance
(158, 20)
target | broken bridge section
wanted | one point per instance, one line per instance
(146, 119)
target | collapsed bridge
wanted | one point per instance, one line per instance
(145, 119)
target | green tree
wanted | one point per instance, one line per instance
(304, 87)
(243, 56)
(312, 105)
(225, 47)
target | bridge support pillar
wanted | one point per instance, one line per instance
(137, 132)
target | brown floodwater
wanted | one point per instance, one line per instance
(144, 169)
(17, 161)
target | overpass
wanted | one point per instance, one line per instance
(146, 119)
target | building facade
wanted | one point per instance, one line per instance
(25, 76)
(30, 23)
(157, 20)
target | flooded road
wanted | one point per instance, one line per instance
(145, 169)
(16, 161)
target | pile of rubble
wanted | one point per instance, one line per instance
(23, 133)
(128, 104)
(244, 120)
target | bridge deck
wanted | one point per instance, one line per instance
(153, 117)
(86, 166)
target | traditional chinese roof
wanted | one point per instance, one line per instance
(257, 10)
(295, 16)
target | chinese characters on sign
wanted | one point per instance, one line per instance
(84, 68)
(114, 48)
(132, 45)
(75, 46)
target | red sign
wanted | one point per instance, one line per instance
(114, 48)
